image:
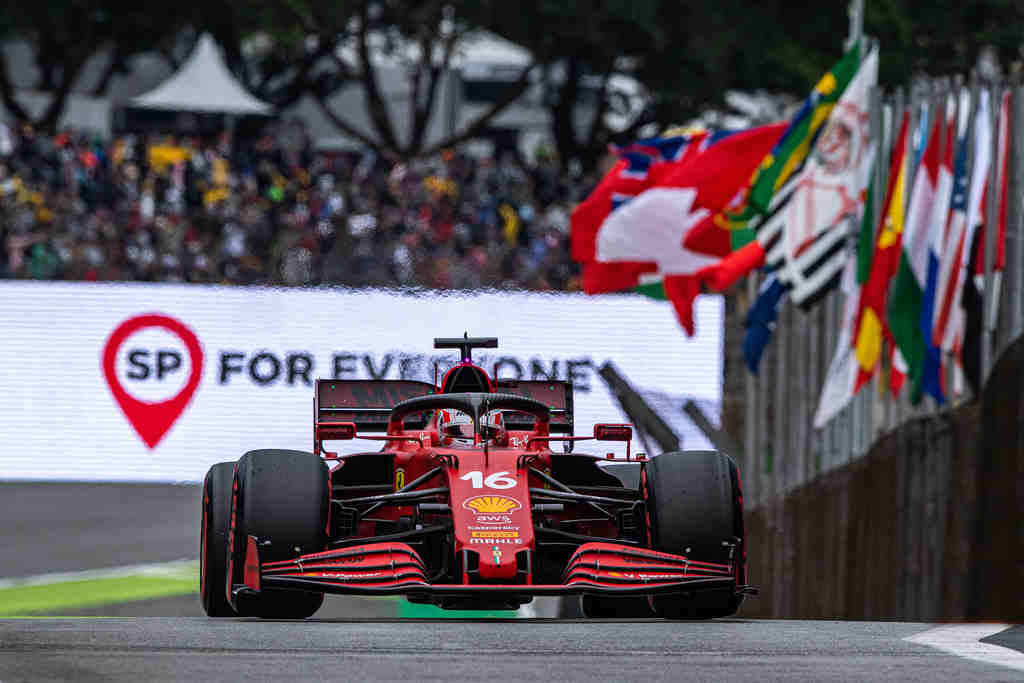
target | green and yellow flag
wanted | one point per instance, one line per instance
(793, 147)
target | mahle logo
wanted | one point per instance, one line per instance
(491, 504)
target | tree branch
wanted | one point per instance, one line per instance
(342, 125)
(416, 80)
(562, 124)
(7, 92)
(597, 124)
(423, 114)
(69, 74)
(376, 107)
(514, 92)
(108, 74)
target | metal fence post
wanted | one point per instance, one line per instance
(780, 408)
(991, 233)
(1015, 217)
(751, 452)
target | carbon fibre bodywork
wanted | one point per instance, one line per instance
(487, 524)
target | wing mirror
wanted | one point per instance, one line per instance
(613, 432)
(344, 431)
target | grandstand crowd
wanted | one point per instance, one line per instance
(275, 211)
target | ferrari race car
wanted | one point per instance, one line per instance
(470, 505)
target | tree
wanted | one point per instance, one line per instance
(65, 34)
(422, 38)
(279, 49)
(582, 46)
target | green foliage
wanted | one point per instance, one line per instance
(687, 54)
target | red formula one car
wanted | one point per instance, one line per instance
(470, 505)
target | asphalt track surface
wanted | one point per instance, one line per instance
(68, 527)
(492, 651)
(47, 527)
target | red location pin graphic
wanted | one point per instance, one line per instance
(152, 420)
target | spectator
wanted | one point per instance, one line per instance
(185, 209)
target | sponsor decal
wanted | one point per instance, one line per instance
(495, 480)
(399, 478)
(491, 504)
(342, 575)
(485, 541)
(495, 534)
(648, 577)
(504, 527)
(152, 419)
(653, 559)
(494, 519)
(497, 554)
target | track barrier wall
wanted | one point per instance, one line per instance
(927, 526)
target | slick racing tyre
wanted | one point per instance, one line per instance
(213, 540)
(282, 498)
(694, 505)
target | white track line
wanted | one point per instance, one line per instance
(962, 640)
(174, 568)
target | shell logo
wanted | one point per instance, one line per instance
(482, 504)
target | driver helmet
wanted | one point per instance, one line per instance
(492, 427)
(455, 428)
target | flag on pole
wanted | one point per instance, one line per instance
(870, 327)
(909, 316)
(841, 378)
(667, 234)
(811, 178)
(1002, 182)
(981, 159)
(630, 176)
(973, 318)
(951, 252)
(761, 319)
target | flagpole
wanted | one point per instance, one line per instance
(1016, 185)
(856, 13)
(991, 234)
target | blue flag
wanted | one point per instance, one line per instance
(761, 319)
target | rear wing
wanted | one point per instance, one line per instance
(366, 402)
(555, 394)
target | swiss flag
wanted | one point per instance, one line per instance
(669, 229)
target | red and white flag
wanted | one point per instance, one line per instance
(668, 231)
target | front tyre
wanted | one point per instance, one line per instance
(282, 498)
(695, 509)
(213, 540)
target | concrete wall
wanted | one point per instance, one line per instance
(926, 527)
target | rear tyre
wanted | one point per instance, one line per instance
(282, 499)
(213, 540)
(600, 607)
(695, 506)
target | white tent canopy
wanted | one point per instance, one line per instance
(202, 84)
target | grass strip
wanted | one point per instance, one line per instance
(39, 598)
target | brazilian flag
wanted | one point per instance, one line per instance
(792, 148)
